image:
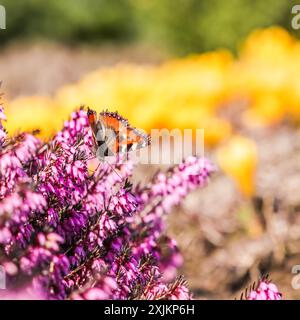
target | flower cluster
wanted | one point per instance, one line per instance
(263, 290)
(70, 233)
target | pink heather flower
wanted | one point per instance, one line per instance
(180, 293)
(122, 203)
(106, 227)
(104, 290)
(27, 293)
(16, 160)
(155, 291)
(73, 234)
(176, 291)
(264, 290)
(169, 189)
(16, 209)
(164, 192)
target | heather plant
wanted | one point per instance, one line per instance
(70, 233)
(264, 289)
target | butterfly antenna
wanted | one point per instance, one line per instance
(94, 171)
(114, 170)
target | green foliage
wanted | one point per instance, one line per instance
(191, 25)
(68, 20)
(182, 25)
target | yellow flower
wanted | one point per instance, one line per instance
(271, 45)
(267, 109)
(189, 93)
(238, 159)
(31, 113)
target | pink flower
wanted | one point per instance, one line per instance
(264, 290)
(75, 234)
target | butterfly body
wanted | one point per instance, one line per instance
(113, 134)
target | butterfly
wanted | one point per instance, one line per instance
(113, 134)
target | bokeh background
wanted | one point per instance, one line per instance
(230, 67)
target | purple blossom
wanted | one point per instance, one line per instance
(104, 290)
(176, 291)
(122, 204)
(17, 161)
(68, 233)
(16, 212)
(263, 290)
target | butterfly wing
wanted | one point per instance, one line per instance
(113, 134)
(135, 139)
(127, 138)
(98, 127)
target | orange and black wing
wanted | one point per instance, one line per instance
(127, 138)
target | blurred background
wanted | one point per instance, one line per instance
(230, 67)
